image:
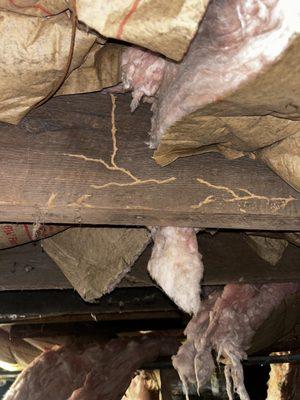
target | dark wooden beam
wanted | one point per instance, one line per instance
(227, 258)
(67, 306)
(128, 310)
(60, 166)
(36, 314)
(27, 267)
(97, 329)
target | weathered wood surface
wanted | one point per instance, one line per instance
(127, 310)
(228, 258)
(65, 164)
(175, 324)
(67, 305)
(226, 255)
(97, 328)
(27, 267)
(51, 313)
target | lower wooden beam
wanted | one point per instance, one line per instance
(27, 267)
(67, 306)
(227, 258)
(100, 328)
(73, 161)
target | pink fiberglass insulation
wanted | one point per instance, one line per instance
(176, 266)
(142, 72)
(236, 40)
(93, 373)
(225, 326)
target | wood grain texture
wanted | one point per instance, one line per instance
(227, 258)
(67, 305)
(61, 165)
(27, 267)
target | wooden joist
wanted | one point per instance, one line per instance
(226, 255)
(27, 267)
(127, 310)
(67, 306)
(72, 161)
(98, 328)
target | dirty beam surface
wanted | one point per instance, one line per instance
(227, 257)
(75, 161)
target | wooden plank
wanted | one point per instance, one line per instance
(96, 329)
(60, 166)
(175, 326)
(67, 306)
(27, 267)
(227, 258)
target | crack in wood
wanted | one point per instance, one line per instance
(113, 166)
(277, 202)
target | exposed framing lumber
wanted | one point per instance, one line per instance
(126, 310)
(70, 162)
(228, 258)
(174, 326)
(97, 329)
(67, 306)
(27, 267)
(226, 255)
